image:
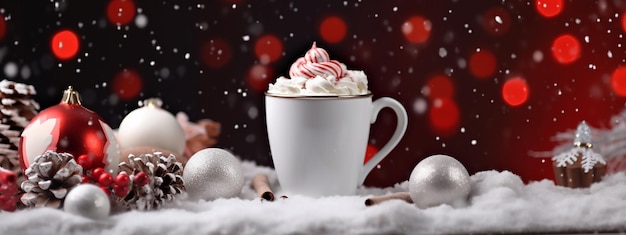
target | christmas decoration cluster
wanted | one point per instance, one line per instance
(70, 159)
(66, 146)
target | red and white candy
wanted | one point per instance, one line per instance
(316, 62)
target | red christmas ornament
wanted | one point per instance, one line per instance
(8, 190)
(70, 128)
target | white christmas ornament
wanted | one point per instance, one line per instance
(152, 126)
(87, 200)
(213, 173)
(439, 179)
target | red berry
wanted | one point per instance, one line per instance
(105, 179)
(95, 173)
(122, 179)
(85, 179)
(120, 191)
(84, 161)
(141, 179)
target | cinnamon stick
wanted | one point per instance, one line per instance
(394, 196)
(262, 186)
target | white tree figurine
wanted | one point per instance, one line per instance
(583, 148)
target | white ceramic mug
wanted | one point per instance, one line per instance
(318, 143)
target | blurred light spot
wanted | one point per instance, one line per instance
(25, 72)
(420, 105)
(10, 69)
(515, 91)
(549, 8)
(333, 29)
(215, 53)
(566, 49)
(268, 48)
(251, 138)
(439, 86)
(121, 12)
(164, 72)
(496, 21)
(127, 84)
(537, 56)
(417, 29)
(618, 81)
(259, 77)
(64, 44)
(141, 21)
(253, 112)
(443, 52)
(623, 21)
(482, 63)
(444, 116)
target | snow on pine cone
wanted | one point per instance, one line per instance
(49, 178)
(17, 108)
(156, 180)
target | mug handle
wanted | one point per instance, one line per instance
(385, 102)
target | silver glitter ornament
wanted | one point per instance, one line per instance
(439, 179)
(89, 201)
(213, 173)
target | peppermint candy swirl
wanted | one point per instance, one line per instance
(316, 62)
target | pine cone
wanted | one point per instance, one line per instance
(50, 177)
(8, 157)
(17, 108)
(156, 180)
(17, 103)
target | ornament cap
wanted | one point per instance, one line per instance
(70, 96)
(152, 102)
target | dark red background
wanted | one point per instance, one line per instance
(236, 47)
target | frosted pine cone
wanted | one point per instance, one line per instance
(16, 103)
(8, 157)
(49, 178)
(156, 180)
(17, 108)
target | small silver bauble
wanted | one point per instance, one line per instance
(87, 200)
(439, 179)
(213, 173)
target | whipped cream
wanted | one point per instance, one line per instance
(316, 74)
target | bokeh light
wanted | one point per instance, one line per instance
(121, 12)
(215, 53)
(482, 63)
(127, 84)
(259, 77)
(64, 44)
(515, 91)
(549, 8)
(624, 21)
(370, 152)
(496, 21)
(333, 29)
(566, 49)
(417, 29)
(439, 86)
(444, 116)
(268, 48)
(618, 81)
(3, 26)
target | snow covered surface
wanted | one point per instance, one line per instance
(499, 203)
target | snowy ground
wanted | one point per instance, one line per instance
(499, 203)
